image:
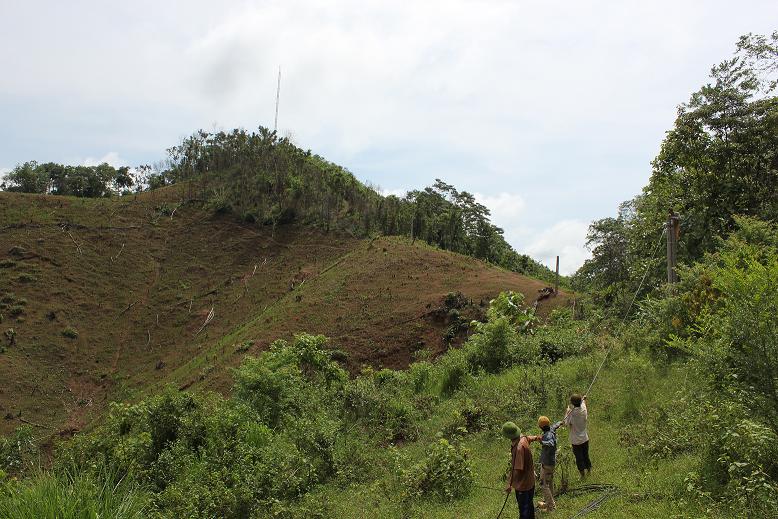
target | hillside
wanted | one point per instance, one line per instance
(106, 298)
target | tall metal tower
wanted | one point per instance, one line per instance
(278, 95)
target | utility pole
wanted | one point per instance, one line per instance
(278, 95)
(556, 283)
(673, 233)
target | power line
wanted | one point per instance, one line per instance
(626, 314)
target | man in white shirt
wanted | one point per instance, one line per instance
(576, 420)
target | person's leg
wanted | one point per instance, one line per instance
(580, 462)
(587, 460)
(526, 500)
(547, 479)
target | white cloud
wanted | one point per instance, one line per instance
(111, 158)
(566, 239)
(505, 207)
(399, 193)
(557, 107)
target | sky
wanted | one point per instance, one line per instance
(550, 112)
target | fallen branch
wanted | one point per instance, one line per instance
(207, 320)
(117, 256)
(78, 247)
(128, 307)
(37, 424)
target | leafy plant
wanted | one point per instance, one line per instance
(445, 473)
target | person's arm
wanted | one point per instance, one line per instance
(584, 410)
(556, 426)
(536, 438)
(511, 470)
(566, 419)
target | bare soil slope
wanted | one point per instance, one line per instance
(103, 299)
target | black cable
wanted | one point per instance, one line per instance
(503, 504)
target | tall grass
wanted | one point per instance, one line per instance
(67, 495)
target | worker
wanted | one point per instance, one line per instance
(521, 473)
(547, 461)
(576, 418)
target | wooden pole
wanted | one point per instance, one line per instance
(673, 231)
(556, 283)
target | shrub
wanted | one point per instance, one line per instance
(219, 201)
(420, 375)
(467, 418)
(445, 473)
(70, 333)
(563, 339)
(490, 347)
(289, 379)
(510, 305)
(18, 452)
(453, 371)
(384, 407)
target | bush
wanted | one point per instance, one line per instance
(491, 346)
(510, 305)
(563, 339)
(445, 473)
(70, 333)
(453, 371)
(290, 379)
(420, 374)
(383, 406)
(18, 452)
(468, 417)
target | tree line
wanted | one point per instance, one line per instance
(719, 161)
(266, 179)
(58, 179)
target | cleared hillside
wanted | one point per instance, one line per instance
(105, 298)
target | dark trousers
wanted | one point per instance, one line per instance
(581, 453)
(525, 498)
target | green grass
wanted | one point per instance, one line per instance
(646, 490)
(66, 496)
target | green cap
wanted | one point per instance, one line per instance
(510, 430)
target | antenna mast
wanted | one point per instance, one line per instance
(278, 94)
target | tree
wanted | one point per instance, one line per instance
(719, 160)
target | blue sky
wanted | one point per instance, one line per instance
(550, 111)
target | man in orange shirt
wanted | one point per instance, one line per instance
(522, 471)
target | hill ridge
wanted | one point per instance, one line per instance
(105, 296)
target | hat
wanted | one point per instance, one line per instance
(510, 430)
(543, 421)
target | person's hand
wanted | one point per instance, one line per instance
(508, 489)
(584, 397)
